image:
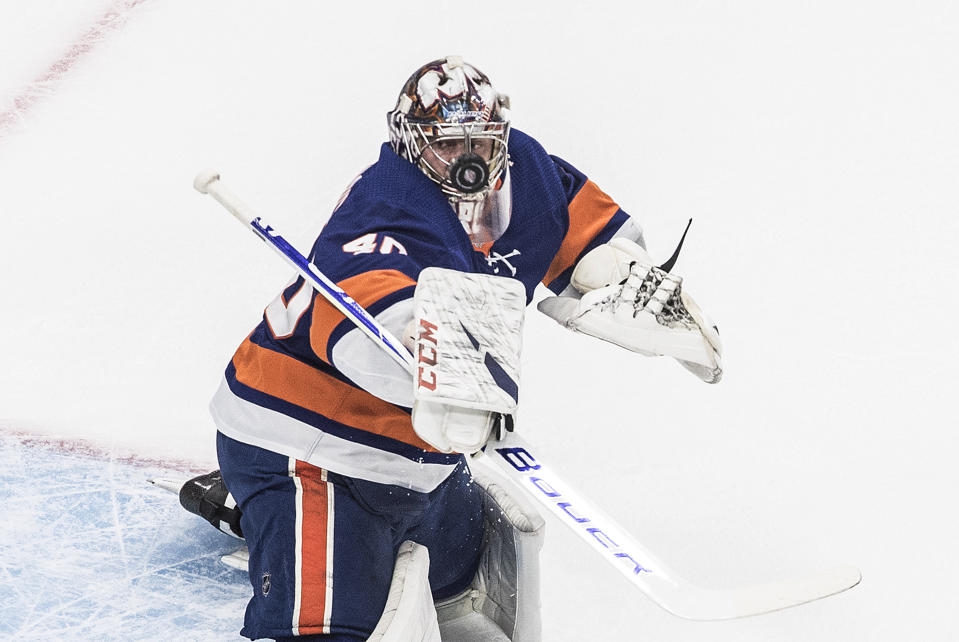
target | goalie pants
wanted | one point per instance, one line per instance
(323, 545)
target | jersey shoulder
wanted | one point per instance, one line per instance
(392, 217)
(392, 194)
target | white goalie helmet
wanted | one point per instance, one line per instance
(452, 124)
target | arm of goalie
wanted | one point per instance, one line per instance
(467, 331)
(629, 301)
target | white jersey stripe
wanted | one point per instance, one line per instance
(328, 607)
(367, 365)
(298, 549)
(252, 424)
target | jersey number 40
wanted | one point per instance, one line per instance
(368, 244)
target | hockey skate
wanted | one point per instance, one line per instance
(207, 496)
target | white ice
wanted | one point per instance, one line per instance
(816, 145)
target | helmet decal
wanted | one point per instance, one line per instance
(466, 94)
(452, 124)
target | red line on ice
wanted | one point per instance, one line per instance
(94, 450)
(44, 84)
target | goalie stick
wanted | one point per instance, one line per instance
(517, 458)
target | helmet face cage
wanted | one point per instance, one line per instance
(486, 140)
(450, 105)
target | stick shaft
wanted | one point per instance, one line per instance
(323, 285)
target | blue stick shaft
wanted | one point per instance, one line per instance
(208, 182)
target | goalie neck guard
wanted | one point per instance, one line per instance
(451, 123)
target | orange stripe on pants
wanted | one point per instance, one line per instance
(315, 554)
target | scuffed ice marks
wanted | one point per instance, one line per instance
(88, 550)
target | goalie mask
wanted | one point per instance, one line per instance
(451, 123)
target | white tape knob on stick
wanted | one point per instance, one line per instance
(204, 179)
(208, 182)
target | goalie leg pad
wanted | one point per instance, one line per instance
(504, 597)
(409, 615)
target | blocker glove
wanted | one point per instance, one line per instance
(467, 331)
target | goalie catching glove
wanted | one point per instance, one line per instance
(467, 332)
(629, 301)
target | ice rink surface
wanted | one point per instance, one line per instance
(815, 144)
(90, 552)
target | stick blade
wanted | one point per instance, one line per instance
(703, 604)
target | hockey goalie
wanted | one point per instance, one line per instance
(349, 478)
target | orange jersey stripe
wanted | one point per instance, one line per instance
(284, 377)
(366, 288)
(316, 572)
(589, 212)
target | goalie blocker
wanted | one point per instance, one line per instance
(465, 336)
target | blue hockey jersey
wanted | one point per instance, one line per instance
(307, 384)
